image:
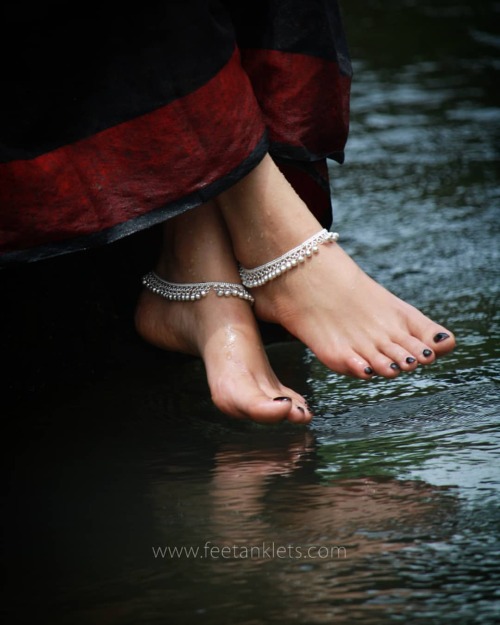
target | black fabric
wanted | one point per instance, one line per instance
(313, 28)
(71, 74)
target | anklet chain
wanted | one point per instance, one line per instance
(298, 255)
(191, 292)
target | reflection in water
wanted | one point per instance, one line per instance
(308, 547)
(402, 474)
(362, 517)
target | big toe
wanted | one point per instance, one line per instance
(436, 337)
(443, 341)
(261, 407)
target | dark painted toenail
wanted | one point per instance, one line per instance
(282, 399)
(368, 370)
(410, 360)
(441, 336)
(395, 366)
(427, 353)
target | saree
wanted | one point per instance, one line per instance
(118, 118)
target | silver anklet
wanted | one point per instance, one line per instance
(274, 268)
(194, 291)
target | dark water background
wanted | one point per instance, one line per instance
(113, 449)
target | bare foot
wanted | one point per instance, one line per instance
(352, 324)
(221, 330)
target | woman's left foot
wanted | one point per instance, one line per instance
(353, 324)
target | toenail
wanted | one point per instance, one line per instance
(427, 352)
(441, 336)
(368, 370)
(395, 366)
(301, 409)
(282, 399)
(410, 360)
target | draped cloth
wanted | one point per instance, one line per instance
(116, 118)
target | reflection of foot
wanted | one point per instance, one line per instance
(240, 479)
(352, 324)
(221, 330)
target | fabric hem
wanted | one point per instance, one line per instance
(152, 218)
(300, 153)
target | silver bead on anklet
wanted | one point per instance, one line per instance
(265, 273)
(191, 292)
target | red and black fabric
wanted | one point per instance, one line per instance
(115, 120)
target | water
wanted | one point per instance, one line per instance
(386, 509)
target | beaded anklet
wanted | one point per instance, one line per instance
(191, 292)
(269, 271)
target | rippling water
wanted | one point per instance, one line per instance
(385, 510)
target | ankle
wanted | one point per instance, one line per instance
(265, 216)
(196, 249)
(292, 259)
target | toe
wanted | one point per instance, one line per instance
(300, 414)
(423, 353)
(268, 405)
(253, 404)
(359, 366)
(263, 409)
(443, 341)
(299, 411)
(345, 360)
(436, 337)
(401, 358)
(384, 365)
(426, 356)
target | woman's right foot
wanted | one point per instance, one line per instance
(221, 330)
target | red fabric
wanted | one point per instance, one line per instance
(304, 99)
(132, 168)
